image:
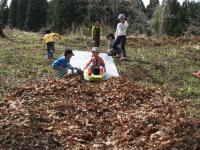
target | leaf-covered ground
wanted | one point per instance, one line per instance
(114, 114)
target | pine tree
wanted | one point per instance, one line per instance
(36, 14)
(13, 13)
(151, 8)
(67, 13)
(3, 5)
(156, 20)
(5, 14)
(21, 13)
(57, 17)
(172, 26)
(139, 5)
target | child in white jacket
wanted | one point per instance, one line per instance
(121, 35)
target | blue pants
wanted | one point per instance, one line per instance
(50, 49)
(121, 40)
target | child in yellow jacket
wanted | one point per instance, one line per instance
(49, 42)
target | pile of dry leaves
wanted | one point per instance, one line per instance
(113, 114)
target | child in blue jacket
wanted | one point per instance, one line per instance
(62, 63)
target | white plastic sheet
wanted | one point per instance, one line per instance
(82, 57)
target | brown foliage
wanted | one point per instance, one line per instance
(113, 114)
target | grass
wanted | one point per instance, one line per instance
(169, 67)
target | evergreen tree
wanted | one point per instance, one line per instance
(3, 5)
(36, 14)
(156, 20)
(21, 13)
(151, 8)
(58, 15)
(68, 13)
(5, 14)
(193, 18)
(13, 13)
(172, 25)
(139, 5)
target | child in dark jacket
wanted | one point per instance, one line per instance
(111, 51)
(96, 33)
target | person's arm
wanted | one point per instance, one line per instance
(88, 64)
(56, 65)
(69, 66)
(126, 24)
(116, 33)
(57, 36)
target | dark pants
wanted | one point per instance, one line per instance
(96, 42)
(114, 52)
(121, 40)
(50, 49)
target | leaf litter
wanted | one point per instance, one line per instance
(112, 114)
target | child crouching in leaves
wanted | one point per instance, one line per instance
(111, 51)
(96, 64)
(62, 63)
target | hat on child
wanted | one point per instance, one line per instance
(68, 51)
(121, 16)
(95, 49)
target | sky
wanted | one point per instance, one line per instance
(146, 2)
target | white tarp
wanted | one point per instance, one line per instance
(82, 57)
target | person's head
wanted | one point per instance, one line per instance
(121, 18)
(110, 36)
(47, 31)
(95, 51)
(97, 22)
(68, 53)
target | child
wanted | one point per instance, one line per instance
(96, 63)
(121, 35)
(96, 33)
(62, 63)
(49, 41)
(111, 51)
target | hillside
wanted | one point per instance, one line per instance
(165, 61)
(37, 111)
